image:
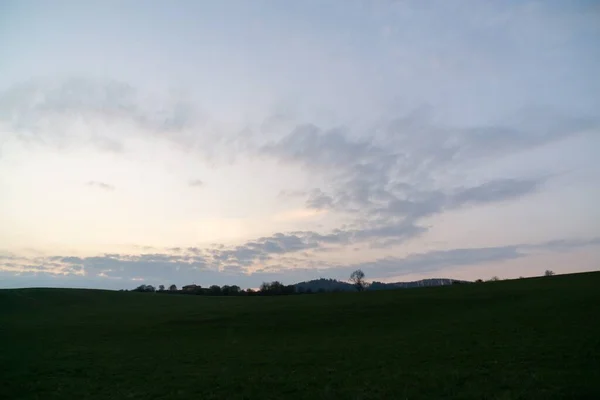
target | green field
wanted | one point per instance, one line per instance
(522, 339)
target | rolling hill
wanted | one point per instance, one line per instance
(523, 339)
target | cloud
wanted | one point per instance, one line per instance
(265, 248)
(388, 223)
(101, 185)
(395, 172)
(52, 112)
(208, 266)
(419, 204)
(310, 146)
(319, 200)
(196, 183)
(409, 145)
(291, 193)
(29, 102)
(438, 260)
(108, 144)
(16, 265)
(262, 249)
(150, 266)
(564, 244)
(495, 191)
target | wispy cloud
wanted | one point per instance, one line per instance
(196, 183)
(53, 111)
(389, 185)
(101, 185)
(291, 193)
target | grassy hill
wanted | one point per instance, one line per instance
(523, 339)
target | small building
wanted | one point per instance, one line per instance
(191, 288)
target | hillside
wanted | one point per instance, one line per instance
(523, 339)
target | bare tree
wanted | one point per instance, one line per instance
(548, 273)
(358, 279)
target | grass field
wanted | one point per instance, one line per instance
(523, 339)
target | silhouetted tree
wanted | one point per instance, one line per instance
(479, 281)
(273, 288)
(264, 287)
(144, 288)
(548, 273)
(214, 290)
(289, 289)
(494, 279)
(227, 290)
(161, 288)
(173, 288)
(358, 279)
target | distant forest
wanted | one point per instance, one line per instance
(308, 287)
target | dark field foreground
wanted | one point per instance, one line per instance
(523, 339)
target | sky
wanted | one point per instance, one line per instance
(237, 142)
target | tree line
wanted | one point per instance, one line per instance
(274, 288)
